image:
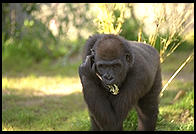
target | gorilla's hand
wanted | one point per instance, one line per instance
(87, 68)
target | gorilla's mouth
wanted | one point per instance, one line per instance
(112, 88)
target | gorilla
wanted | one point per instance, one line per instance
(117, 75)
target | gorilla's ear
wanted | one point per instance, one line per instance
(130, 59)
(129, 55)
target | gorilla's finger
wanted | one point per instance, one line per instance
(89, 61)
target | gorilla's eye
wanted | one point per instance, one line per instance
(116, 66)
(101, 67)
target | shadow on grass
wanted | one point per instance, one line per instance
(24, 110)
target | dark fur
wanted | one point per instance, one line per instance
(140, 87)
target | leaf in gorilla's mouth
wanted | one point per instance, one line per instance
(113, 89)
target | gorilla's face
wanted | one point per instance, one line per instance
(111, 72)
(111, 62)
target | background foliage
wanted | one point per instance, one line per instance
(40, 85)
(27, 26)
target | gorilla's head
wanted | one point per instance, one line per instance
(112, 60)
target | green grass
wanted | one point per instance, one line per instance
(47, 96)
(53, 112)
(178, 116)
(24, 111)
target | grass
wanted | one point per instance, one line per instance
(180, 115)
(44, 113)
(47, 96)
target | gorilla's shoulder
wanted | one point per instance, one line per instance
(143, 47)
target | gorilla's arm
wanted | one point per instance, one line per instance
(99, 107)
(96, 99)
